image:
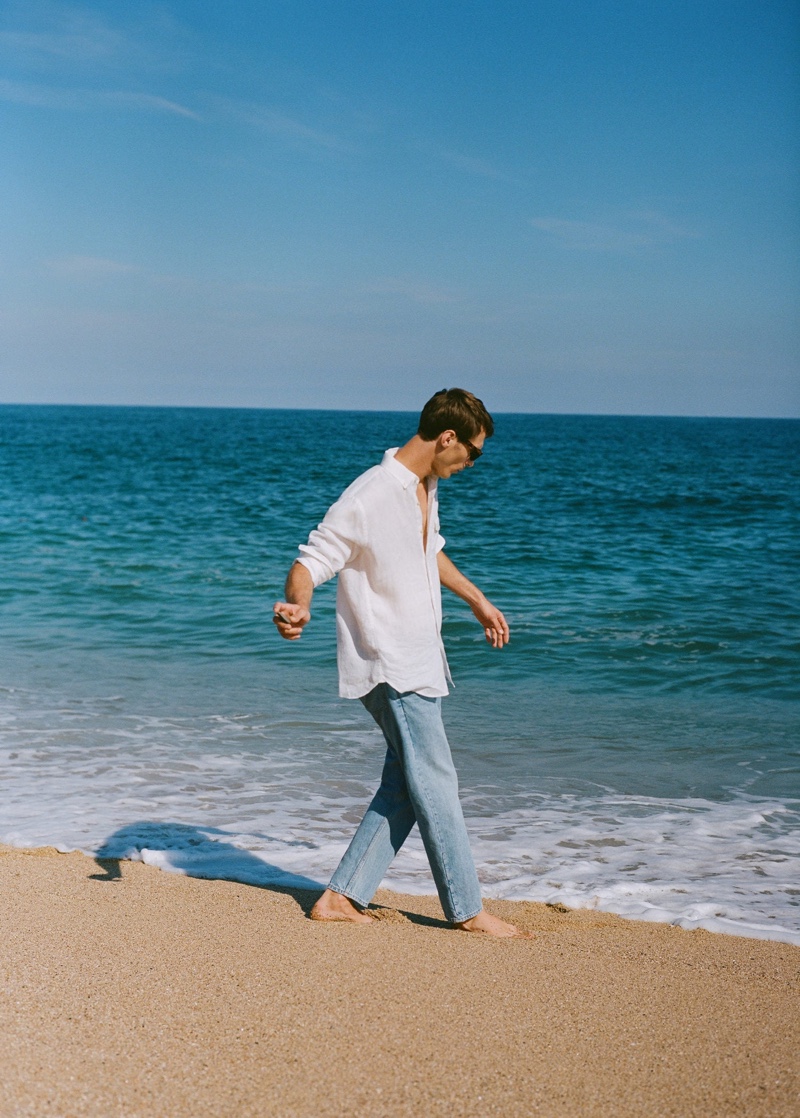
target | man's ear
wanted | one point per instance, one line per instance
(446, 439)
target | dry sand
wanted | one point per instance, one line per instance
(150, 994)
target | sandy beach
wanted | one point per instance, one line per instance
(132, 992)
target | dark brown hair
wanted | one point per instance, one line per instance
(454, 409)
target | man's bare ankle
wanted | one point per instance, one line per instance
(336, 906)
(486, 924)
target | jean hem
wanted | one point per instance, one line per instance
(463, 919)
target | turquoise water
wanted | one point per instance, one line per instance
(635, 747)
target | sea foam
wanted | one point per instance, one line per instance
(283, 816)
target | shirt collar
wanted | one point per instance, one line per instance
(405, 476)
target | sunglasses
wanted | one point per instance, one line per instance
(473, 451)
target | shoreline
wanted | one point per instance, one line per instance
(241, 867)
(150, 993)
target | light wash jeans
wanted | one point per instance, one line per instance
(418, 785)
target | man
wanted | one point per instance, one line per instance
(382, 539)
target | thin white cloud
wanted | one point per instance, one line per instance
(270, 119)
(54, 33)
(79, 38)
(475, 166)
(149, 101)
(409, 289)
(640, 229)
(88, 267)
(83, 268)
(82, 100)
(40, 96)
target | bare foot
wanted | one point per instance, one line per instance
(493, 926)
(335, 906)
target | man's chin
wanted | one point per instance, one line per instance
(444, 472)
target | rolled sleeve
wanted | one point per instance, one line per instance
(440, 542)
(334, 543)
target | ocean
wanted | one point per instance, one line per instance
(634, 749)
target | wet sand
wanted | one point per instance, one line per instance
(145, 995)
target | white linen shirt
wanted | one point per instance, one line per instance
(389, 599)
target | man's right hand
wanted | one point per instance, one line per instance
(290, 620)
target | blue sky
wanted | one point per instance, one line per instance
(565, 205)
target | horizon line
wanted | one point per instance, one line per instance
(393, 411)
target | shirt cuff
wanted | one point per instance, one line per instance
(320, 572)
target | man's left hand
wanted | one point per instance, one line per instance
(494, 624)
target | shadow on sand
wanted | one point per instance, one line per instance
(201, 852)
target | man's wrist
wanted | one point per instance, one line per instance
(475, 598)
